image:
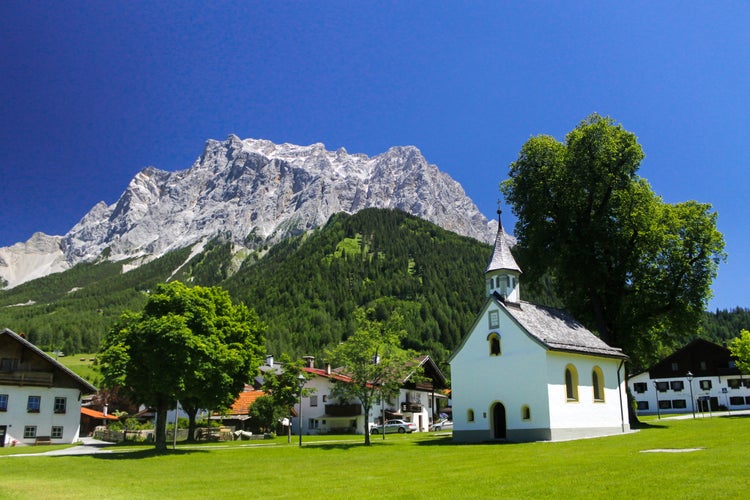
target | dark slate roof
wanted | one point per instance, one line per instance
(558, 331)
(502, 259)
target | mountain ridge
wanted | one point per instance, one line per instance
(250, 191)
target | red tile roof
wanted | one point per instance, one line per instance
(243, 402)
(97, 414)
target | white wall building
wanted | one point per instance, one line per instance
(40, 399)
(700, 377)
(525, 372)
(324, 414)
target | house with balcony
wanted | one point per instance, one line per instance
(418, 401)
(700, 377)
(40, 399)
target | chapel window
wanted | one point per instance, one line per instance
(571, 383)
(597, 382)
(495, 346)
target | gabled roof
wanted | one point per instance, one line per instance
(244, 400)
(502, 259)
(553, 329)
(82, 384)
(557, 330)
(700, 357)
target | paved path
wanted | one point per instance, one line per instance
(90, 446)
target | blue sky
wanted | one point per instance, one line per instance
(95, 91)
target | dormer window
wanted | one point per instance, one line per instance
(495, 345)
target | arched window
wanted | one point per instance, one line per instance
(470, 415)
(495, 346)
(525, 412)
(571, 383)
(597, 382)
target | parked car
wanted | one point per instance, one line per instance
(442, 424)
(400, 426)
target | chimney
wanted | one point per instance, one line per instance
(269, 359)
(328, 368)
(309, 361)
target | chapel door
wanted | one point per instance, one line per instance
(3, 430)
(498, 421)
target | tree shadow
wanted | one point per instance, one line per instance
(133, 455)
(647, 425)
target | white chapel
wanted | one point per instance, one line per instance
(524, 372)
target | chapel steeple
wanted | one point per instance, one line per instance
(502, 273)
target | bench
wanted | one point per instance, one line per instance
(43, 440)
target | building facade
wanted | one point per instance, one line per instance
(524, 372)
(40, 399)
(700, 377)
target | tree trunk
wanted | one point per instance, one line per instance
(160, 440)
(367, 424)
(191, 413)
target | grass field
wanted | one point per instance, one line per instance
(81, 364)
(410, 466)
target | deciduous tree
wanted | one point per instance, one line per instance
(188, 344)
(740, 349)
(630, 266)
(373, 359)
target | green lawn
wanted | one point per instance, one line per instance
(408, 466)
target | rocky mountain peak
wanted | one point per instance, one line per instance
(238, 188)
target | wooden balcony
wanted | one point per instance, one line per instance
(350, 410)
(411, 407)
(26, 378)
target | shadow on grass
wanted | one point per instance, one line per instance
(134, 455)
(647, 425)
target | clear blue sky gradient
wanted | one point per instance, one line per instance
(94, 91)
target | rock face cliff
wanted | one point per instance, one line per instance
(249, 191)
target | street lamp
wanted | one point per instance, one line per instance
(692, 399)
(658, 407)
(301, 382)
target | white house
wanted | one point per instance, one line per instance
(40, 399)
(700, 377)
(324, 414)
(524, 372)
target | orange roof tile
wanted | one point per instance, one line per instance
(243, 402)
(97, 414)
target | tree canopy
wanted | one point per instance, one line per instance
(373, 359)
(635, 269)
(188, 344)
(740, 349)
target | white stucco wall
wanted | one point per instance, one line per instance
(17, 417)
(515, 378)
(585, 412)
(721, 389)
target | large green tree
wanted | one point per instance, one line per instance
(374, 361)
(188, 344)
(630, 266)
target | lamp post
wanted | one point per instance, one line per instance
(658, 408)
(301, 382)
(692, 399)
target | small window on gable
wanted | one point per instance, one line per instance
(470, 415)
(571, 383)
(495, 346)
(597, 382)
(494, 319)
(526, 412)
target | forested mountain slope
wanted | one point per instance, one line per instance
(305, 288)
